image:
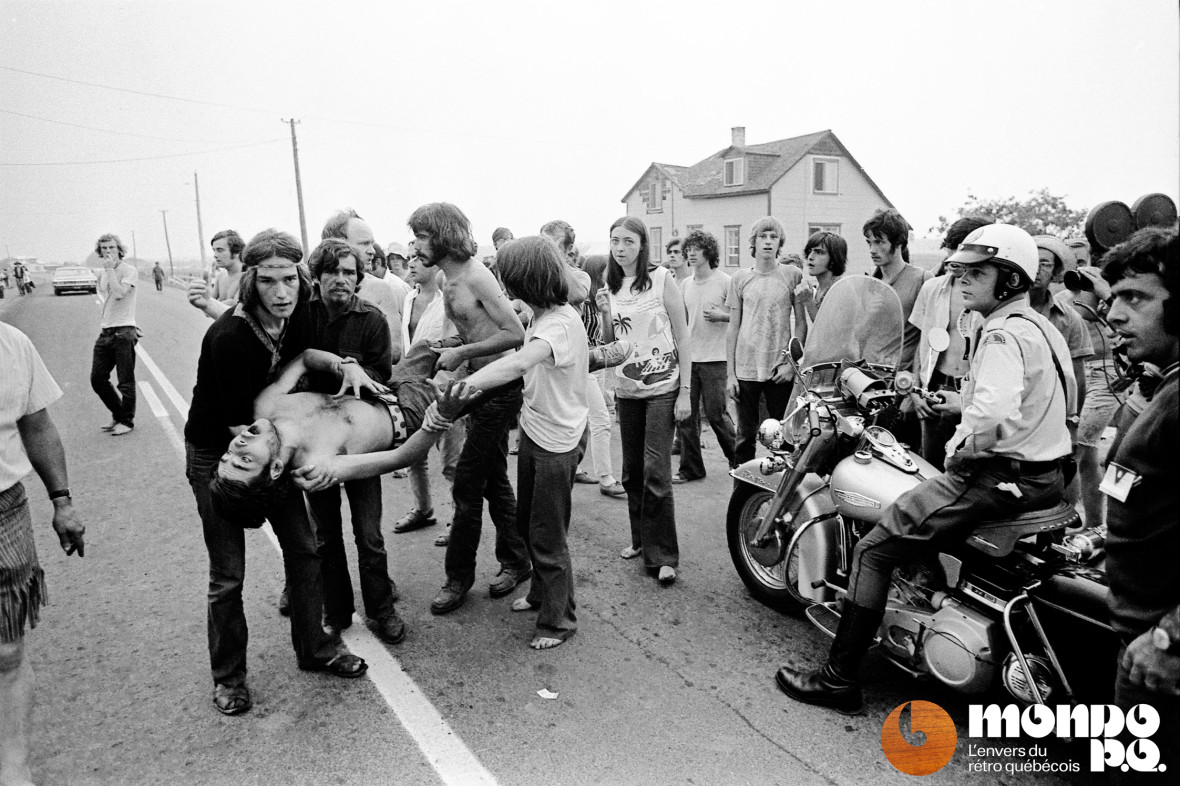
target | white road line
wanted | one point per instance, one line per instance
(161, 413)
(450, 757)
(166, 386)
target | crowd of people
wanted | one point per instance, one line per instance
(328, 367)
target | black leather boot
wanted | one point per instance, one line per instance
(836, 685)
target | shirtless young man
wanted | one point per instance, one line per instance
(489, 329)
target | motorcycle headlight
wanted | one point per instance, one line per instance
(770, 434)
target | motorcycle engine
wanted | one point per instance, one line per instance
(929, 631)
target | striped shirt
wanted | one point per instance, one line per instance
(26, 387)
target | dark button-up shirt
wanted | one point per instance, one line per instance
(360, 332)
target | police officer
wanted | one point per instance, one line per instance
(1003, 459)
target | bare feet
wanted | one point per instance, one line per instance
(667, 574)
(544, 642)
(522, 604)
(630, 552)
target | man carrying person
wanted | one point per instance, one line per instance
(1140, 485)
(241, 353)
(708, 324)
(221, 294)
(489, 329)
(115, 347)
(28, 441)
(760, 302)
(344, 325)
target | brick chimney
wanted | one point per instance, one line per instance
(738, 136)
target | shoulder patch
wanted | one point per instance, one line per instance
(995, 337)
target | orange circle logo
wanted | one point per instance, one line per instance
(931, 756)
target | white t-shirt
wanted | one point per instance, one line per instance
(555, 404)
(706, 338)
(117, 312)
(766, 300)
(26, 386)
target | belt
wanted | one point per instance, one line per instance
(117, 327)
(1024, 467)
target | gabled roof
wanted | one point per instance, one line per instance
(670, 171)
(765, 165)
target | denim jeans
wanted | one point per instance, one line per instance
(115, 349)
(598, 423)
(226, 543)
(778, 395)
(1126, 696)
(364, 502)
(646, 425)
(708, 389)
(482, 474)
(544, 482)
(449, 448)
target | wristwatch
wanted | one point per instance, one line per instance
(1164, 641)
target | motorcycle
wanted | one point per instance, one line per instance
(1019, 602)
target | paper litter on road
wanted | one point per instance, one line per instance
(547, 694)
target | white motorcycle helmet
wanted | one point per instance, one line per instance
(1004, 245)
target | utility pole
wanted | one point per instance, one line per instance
(200, 229)
(168, 243)
(134, 252)
(298, 185)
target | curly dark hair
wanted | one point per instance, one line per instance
(699, 238)
(325, 258)
(1150, 250)
(246, 503)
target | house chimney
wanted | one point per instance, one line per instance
(738, 136)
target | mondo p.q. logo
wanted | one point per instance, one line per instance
(931, 756)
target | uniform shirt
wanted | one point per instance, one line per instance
(1144, 529)
(117, 311)
(706, 338)
(1101, 337)
(766, 300)
(26, 387)
(555, 406)
(1012, 399)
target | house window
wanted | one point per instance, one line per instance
(733, 246)
(655, 196)
(735, 171)
(656, 238)
(827, 176)
(692, 227)
(813, 228)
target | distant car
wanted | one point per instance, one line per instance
(74, 279)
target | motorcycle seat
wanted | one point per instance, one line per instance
(997, 538)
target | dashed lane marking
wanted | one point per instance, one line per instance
(161, 413)
(450, 757)
(166, 386)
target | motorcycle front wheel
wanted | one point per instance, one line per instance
(769, 585)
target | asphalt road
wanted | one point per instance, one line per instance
(660, 685)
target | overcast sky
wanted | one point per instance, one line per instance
(520, 112)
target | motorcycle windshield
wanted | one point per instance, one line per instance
(859, 320)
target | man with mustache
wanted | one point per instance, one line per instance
(343, 324)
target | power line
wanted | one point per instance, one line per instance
(137, 92)
(144, 158)
(109, 130)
